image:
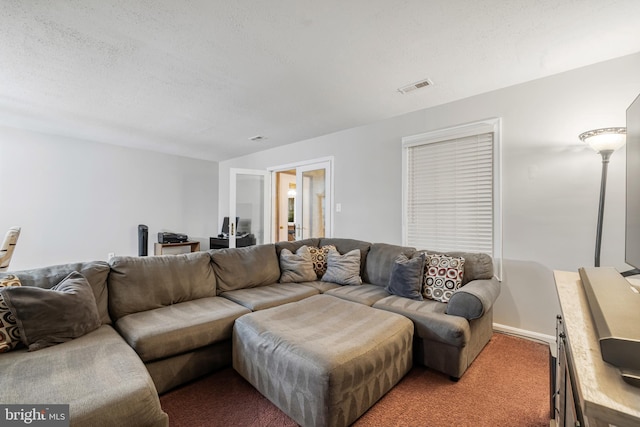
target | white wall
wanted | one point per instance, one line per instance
(80, 200)
(550, 179)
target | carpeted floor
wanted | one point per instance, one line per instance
(507, 385)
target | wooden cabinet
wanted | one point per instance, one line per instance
(590, 391)
(175, 248)
(567, 407)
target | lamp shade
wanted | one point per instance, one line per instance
(605, 139)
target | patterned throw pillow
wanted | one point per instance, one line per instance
(442, 276)
(9, 332)
(9, 280)
(319, 258)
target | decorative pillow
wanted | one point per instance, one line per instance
(319, 258)
(297, 267)
(9, 280)
(343, 269)
(443, 275)
(9, 332)
(47, 317)
(406, 277)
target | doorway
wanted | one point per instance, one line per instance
(302, 201)
(249, 205)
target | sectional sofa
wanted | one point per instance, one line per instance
(167, 320)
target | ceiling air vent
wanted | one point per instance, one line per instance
(415, 86)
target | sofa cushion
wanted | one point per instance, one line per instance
(179, 328)
(343, 269)
(321, 286)
(430, 319)
(346, 245)
(380, 260)
(442, 276)
(47, 317)
(247, 267)
(364, 294)
(96, 273)
(101, 378)
(144, 283)
(269, 296)
(406, 278)
(296, 267)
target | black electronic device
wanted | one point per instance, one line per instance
(164, 237)
(143, 240)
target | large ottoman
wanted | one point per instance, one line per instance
(323, 361)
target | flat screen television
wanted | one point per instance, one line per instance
(632, 228)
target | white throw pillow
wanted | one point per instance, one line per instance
(343, 269)
(297, 267)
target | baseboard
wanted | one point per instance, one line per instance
(530, 335)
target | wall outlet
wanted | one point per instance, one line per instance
(111, 255)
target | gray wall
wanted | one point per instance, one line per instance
(550, 179)
(80, 200)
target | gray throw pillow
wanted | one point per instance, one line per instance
(297, 267)
(343, 269)
(47, 317)
(406, 277)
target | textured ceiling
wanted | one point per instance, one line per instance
(200, 77)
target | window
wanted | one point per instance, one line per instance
(452, 190)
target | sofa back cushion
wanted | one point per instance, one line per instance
(96, 273)
(477, 266)
(380, 261)
(346, 245)
(143, 283)
(248, 267)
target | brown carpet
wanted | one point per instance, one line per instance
(507, 385)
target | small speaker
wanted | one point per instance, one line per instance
(143, 240)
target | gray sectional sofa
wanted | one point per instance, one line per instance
(169, 319)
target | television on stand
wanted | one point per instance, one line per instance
(632, 221)
(614, 302)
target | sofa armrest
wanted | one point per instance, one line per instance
(474, 299)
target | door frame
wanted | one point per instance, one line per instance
(329, 198)
(266, 226)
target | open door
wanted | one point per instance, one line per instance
(249, 207)
(302, 201)
(313, 205)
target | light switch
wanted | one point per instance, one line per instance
(338, 207)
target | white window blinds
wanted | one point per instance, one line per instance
(449, 195)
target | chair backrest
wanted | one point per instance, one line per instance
(8, 246)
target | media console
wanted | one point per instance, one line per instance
(241, 242)
(588, 389)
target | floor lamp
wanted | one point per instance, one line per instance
(604, 141)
